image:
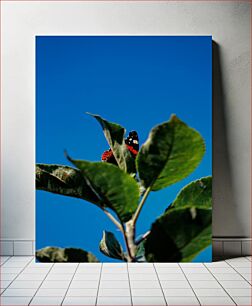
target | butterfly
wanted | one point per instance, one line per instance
(132, 144)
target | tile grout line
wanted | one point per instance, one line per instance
(160, 283)
(96, 300)
(41, 283)
(220, 283)
(70, 284)
(131, 298)
(9, 257)
(238, 273)
(189, 284)
(15, 277)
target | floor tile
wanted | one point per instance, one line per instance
(220, 270)
(59, 277)
(142, 265)
(26, 276)
(238, 264)
(143, 276)
(221, 300)
(140, 300)
(92, 265)
(55, 284)
(8, 270)
(229, 276)
(200, 276)
(172, 276)
(19, 292)
(47, 300)
(21, 258)
(61, 270)
(84, 284)
(248, 277)
(239, 291)
(15, 300)
(114, 284)
(25, 284)
(178, 292)
(237, 259)
(86, 277)
(43, 271)
(115, 276)
(37, 265)
(174, 284)
(8, 276)
(190, 300)
(79, 301)
(82, 292)
(145, 284)
(243, 270)
(204, 284)
(51, 292)
(169, 270)
(142, 271)
(216, 264)
(4, 259)
(146, 292)
(121, 270)
(209, 292)
(195, 270)
(114, 265)
(103, 300)
(166, 264)
(114, 292)
(5, 283)
(235, 284)
(243, 300)
(14, 264)
(192, 264)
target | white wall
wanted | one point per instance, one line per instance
(227, 22)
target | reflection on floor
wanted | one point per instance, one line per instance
(24, 282)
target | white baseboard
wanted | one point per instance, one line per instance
(222, 247)
(17, 247)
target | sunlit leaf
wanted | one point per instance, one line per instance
(114, 187)
(172, 151)
(64, 180)
(196, 194)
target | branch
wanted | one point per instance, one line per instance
(113, 219)
(143, 237)
(140, 206)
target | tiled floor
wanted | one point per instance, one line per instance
(24, 282)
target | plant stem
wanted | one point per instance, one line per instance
(113, 219)
(129, 236)
(140, 206)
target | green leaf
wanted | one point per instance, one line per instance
(115, 188)
(172, 151)
(110, 247)
(54, 254)
(64, 180)
(179, 235)
(196, 194)
(184, 230)
(114, 133)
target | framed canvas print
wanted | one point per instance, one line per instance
(123, 148)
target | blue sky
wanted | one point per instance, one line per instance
(137, 82)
